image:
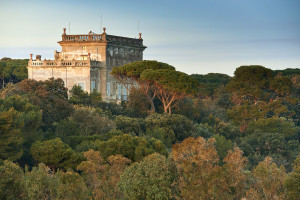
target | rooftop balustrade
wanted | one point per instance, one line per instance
(63, 63)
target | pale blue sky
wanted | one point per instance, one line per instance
(195, 36)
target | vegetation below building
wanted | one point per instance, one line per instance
(227, 137)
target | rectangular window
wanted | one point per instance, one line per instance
(124, 94)
(81, 84)
(108, 88)
(93, 86)
(120, 91)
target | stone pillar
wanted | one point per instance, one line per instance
(104, 34)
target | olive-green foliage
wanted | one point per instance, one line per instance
(31, 117)
(274, 125)
(250, 80)
(55, 154)
(162, 135)
(171, 80)
(51, 96)
(210, 82)
(269, 180)
(11, 181)
(292, 182)
(203, 130)
(41, 183)
(192, 108)
(85, 121)
(135, 69)
(138, 104)
(11, 140)
(71, 186)
(271, 137)
(148, 179)
(132, 147)
(12, 70)
(130, 125)
(222, 146)
(177, 127)
(228, 130)
(80, 97)
(287, 72)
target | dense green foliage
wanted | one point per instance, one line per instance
(227, 137)
(12, 70)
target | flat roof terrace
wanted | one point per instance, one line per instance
(92, 37)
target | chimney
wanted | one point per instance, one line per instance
(38, 57)
(31, 56)
(140, 34)
(104, 29)
(64, 31)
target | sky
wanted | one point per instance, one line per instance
(195, 36)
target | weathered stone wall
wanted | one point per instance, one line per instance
(70, 75)
(118, 54)
(81, 50)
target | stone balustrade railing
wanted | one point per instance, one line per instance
(101, 38)
(63, 63)
(82, 38)
(118, 39)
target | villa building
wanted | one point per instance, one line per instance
(87, 60)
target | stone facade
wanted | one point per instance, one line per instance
(87, 60)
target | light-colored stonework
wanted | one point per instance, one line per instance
(87, 60)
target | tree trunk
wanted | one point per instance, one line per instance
(165, 109)
(152, 110)
(170, 110)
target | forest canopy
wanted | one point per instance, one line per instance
(220, 137)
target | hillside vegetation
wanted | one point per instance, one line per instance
(178, 137)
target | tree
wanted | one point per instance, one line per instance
(133, 148)
(257, 94)
(271, 137)
(71, 186)
(31, 117)
(11, 181)
(148, 179)
(234, 173)
(269, 180)
(251, 81)
(85, 122)
(130, 76)
(102, 177)
(196, 162)
(13, 70)
(40, 183)
(177, 127)
(50, 96)
(210, 82)
(130, 125)
(11, 140)
(56, 154)
(222, 146)
(170, 85)
(5, 72)
(138, 103)
(200, 176)
(292, 182)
